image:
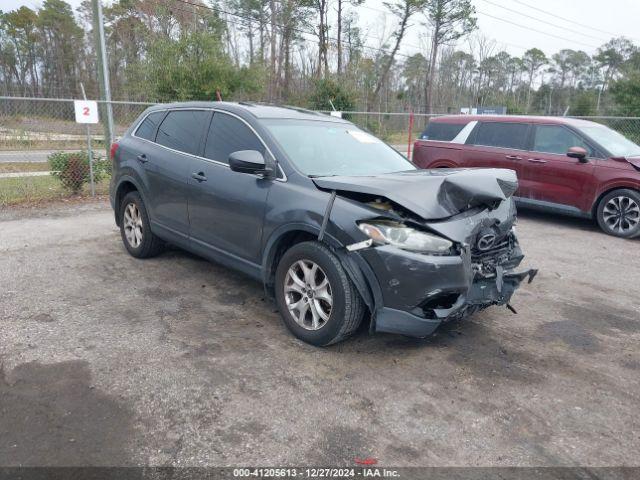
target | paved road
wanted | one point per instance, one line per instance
(41, 155)
(28, 155)
(109, 360)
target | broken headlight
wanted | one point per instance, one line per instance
(406, 238)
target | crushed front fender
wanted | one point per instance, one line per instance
(418, 292)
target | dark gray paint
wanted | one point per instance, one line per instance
(227, 209)
(239, 219)
(166, 176)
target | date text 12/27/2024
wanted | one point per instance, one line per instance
(313, 473)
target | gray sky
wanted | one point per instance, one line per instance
(598, 22)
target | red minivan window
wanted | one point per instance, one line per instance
(441, 131)
(502, 134)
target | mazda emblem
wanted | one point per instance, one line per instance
(486, 241)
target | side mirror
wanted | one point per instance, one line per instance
(249, 161)
(579, 153)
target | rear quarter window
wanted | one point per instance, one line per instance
(442, 131)
(148, 127)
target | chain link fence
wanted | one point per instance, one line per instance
(44, 152)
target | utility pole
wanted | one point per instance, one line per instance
(103, 71)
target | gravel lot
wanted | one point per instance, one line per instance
(109, 360)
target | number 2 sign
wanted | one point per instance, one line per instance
(86, 111)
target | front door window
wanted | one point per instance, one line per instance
(558, 140)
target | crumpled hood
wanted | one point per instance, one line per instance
(432, 194)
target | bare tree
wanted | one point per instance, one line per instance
(404, 10)
(272, 56)
(449, 21)
(321, 8)
(533, 60)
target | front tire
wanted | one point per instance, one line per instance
(618, 213)
(135, 229)
(317, 301)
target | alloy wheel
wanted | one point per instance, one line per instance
(133, 225)
(621, 214)
(308, 296)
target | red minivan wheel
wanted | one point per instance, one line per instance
(618, 213)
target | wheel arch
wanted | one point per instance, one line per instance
(125, 185)
(608, 190)
(443, 164)
(280, 241)
(289, 235)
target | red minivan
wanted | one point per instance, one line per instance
(563, 164)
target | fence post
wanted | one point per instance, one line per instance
(103, 70)
(410, 131)
(91, 174)
(89, 151)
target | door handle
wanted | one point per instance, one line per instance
(537, 160)
(199, 176)
(512, 157)
(142, 158)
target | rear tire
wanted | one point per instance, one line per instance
(135, 229)
(317, 301)
(618, 213)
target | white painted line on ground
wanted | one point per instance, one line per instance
(24, 174)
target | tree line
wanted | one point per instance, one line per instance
(311, 53)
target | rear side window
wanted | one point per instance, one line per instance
(226, 135)
(147, 129)
(502, 134)
(441, 131)
(182, 129)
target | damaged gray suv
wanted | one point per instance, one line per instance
(334, 222)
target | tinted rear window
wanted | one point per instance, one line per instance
(149, 125)
(227, 134)
(444, 132)
(502, 134)
(182, 129)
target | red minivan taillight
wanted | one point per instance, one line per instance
(114, 149)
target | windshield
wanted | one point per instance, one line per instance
(617, 144)
(321, 149)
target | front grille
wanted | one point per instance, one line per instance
(501, 246)
(486, 261)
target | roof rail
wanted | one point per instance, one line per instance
(288, 107)
(301, 110)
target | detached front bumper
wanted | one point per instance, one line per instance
(420, 291)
